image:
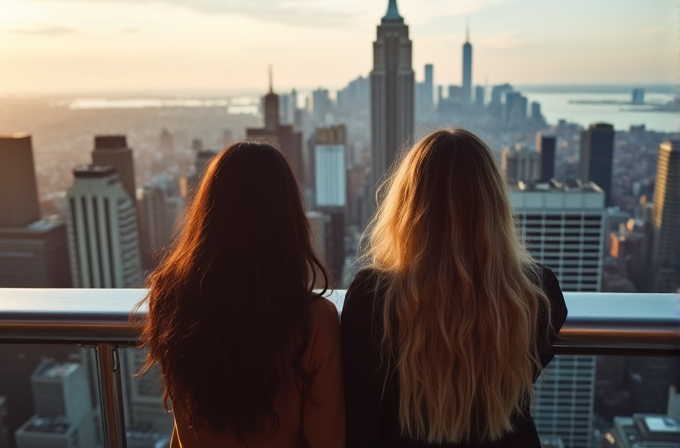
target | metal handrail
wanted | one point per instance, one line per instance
(598, 324)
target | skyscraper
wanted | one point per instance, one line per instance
(479, 97)
(112, 150)
(331, 193)
(496, 105)
(515, 109)
(392, 99)
(33, 251)
(102, 230)
(429, 86)
(521, 163)
(160, 207)
(18, 190)
(545, 145)
(288, 140)
(63, 408)
(536, 114)
(321, 106)
(666, 219)
(564, 228)
(143, 395)
(597, 152)
(467, 70)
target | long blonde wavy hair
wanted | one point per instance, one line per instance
(462, 296)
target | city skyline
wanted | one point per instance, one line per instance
(172, 44)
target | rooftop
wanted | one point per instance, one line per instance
(110, 142)
(571, 185)
(93, 171)
(56, 425)
(56, 369)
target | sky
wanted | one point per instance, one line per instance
(72, 46)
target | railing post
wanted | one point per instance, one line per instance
(113, 417)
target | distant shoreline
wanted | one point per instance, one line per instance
(227, 92)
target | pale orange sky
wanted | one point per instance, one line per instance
(60, 46)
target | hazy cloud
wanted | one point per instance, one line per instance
(129, 30)
(45, 30)
(312, 13)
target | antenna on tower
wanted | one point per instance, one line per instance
(271, 80)
(467, 31)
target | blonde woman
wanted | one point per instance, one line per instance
(451, 322)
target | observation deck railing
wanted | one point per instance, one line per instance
(598, 324)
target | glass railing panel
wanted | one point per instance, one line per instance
(608, 401)
(147, 423)
(49, 397)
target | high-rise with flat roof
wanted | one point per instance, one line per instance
(666, 219)
(102, 231)
(546, 145)
(321, 106)
(331, 193)
(19, 205)
(63, 408)
(428, 88)
(479, 97)
(392, 96)
(521, 163)
(143, 395)
(160, 207)
(33, 251)
(563, 225)
(597, 153)
(112, 150)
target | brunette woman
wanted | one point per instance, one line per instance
(250, 355)
(451, 322)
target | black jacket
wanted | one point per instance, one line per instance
(372, 415)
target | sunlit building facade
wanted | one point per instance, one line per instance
(666, 219)
(102, 231)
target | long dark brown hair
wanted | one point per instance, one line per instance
(228, 306)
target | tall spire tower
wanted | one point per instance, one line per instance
(467, 68)
(392, 103)
(271, 80)
(271, 107)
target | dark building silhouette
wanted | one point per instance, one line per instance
(19, 204)
(282, 136)
(597, 152)
(467, 70)
(392, 92)
(545, 145)
(33, 251)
